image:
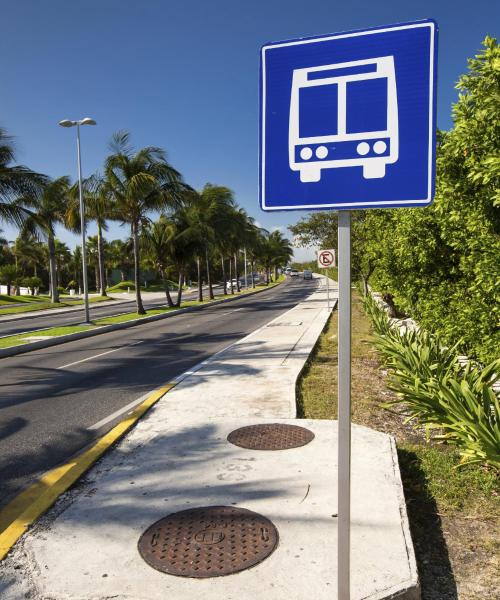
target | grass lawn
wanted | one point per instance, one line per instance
(23, 338)
(10, 300)
(28, 306)
(453, 511)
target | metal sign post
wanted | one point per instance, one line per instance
(327, 281)
(326, 258)
(344, 406)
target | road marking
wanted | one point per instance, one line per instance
(231, 311)
(119, 412)
(23, 511)
(77, 362)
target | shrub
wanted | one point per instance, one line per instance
(32, 283)
(439, 393)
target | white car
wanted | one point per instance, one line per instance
(294, 273)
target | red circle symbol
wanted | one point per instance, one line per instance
(325, 258)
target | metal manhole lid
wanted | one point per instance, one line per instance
(208, 542)
(270, 436)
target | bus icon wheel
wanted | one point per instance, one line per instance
(374, 169)
(310, 175)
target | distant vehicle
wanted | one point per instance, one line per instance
(287, 270)
(294, 273)
(308, 274)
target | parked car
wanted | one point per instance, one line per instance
(294, 273)
(308, 274)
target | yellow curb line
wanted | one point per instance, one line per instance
(25, 509)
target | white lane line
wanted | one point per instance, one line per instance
(119, 412)
(231, 311)
(77, 362)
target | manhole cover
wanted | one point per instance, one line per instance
(272, 436)
(208, 541)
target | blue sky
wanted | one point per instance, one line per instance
(184, 76)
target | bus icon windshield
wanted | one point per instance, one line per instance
(344, 115)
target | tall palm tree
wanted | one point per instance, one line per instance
(121, 256)
(157, 240)
(219, 207)
(47, 210)
(98, 208)
(28, 253)
(92, 248)
(140, 182)
(274, 250)
(15, 181)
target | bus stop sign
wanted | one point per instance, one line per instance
(348, 120)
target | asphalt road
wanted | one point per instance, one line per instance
(54, 402)
(75, 317)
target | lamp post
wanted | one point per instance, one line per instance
(68, 123)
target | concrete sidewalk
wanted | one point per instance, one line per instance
(178, 457)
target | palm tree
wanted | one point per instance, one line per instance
(140, 182)
(218, 206)
(47, 210)
(274, 250)
(15, 181)
(121, 256)
(98, 208)
(28, 253)
(92, 248)
(157, 239)
(195, 231)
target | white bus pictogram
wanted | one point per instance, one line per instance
(344, 115)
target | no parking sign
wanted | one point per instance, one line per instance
(326, 258)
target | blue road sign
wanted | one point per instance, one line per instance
(348, 120)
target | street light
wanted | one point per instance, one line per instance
(68, 123)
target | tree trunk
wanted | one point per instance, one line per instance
(252, 263)
(179, 291)
(167, 291)
(209, 278)
(238, 289)
(122, 274)
(8, 288)
(275, 272)
(100, 256)
(54, 294)
(96, 276)
(365, 285)
(200, 287)
(223, 265)
(231, 276)
(137, 270)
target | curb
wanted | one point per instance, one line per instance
(72, 337)
(27, 506)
